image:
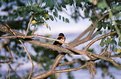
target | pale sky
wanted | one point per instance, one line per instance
(72, 27)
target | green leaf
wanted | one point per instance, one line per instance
(55, 14)
(67, 20)
(63, 5)
(102, 4)
(66, 1)
(50, 4)
(78, 3)
(59, 8)
(114, 42)
(51, 17)
(107, 41)
(102, 43)
(46, 16)
(63, 18)
(118, 15)
(119, 43)
(86, 12)
(116, 8)
(2, 57)
(59, 17)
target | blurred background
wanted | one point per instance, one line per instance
(49, 18)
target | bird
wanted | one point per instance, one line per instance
(62, 39)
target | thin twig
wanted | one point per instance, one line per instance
(14, 71)
(91, 28)
(29, 24)
(98, 38)
(51, 71)
(70, 69)
(107, 59)
(57, 60)
(9, 59)
(29, 59)
(33, 36)
(78, 40)
(68, 63)
(44, 75)
(25, 51)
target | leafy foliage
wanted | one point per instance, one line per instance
(17, 14)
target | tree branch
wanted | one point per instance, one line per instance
(45, 45)
(78, 40)
(9, 59)
(70, 69)
(68, 63)
(51, 71)
(50, 46)
(14, 33)
(98, 38)
(44, 75)
(107, 59)
(57, 60)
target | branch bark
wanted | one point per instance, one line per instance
(77, 41)
(52, 70)
(98, 38)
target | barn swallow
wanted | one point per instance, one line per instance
(62, 38)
